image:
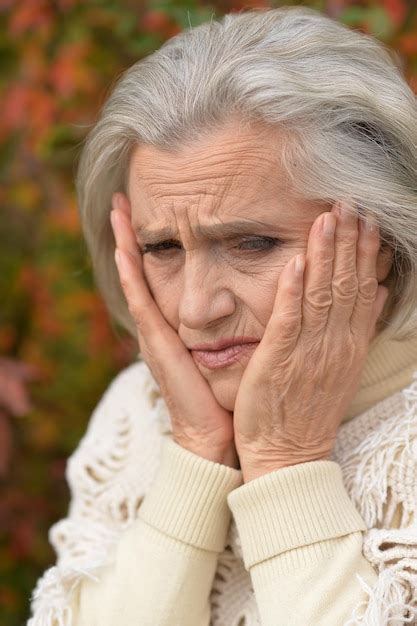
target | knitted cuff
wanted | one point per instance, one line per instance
(291, 507)
(188, 499)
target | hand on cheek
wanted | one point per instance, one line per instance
(301, 378)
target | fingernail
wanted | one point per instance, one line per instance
(299, 263)
(342, 210)
(329, 225)
(370, 224)
(118, 257)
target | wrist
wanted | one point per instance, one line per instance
(254, 469)
(226, 456)
(230, 457)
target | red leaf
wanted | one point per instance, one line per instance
(396, 10)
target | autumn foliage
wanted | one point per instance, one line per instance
(58, 60)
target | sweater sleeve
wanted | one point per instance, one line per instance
(140, 543)
(301, 539)
(166, 561)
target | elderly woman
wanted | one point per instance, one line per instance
(258, 463)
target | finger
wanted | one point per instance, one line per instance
(285, 323)
(128, 259)
(367, 253)
(121, 221)
(319, 273)
(345, 279)
(155, 334)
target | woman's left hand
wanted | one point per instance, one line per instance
(305, 371)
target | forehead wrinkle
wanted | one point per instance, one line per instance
(176, 193)
(165, 184)
(207, 171)
(236, 163)
(211, 231)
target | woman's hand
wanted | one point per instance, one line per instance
(302, 376)
(199, 423)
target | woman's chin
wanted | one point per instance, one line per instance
(225, 390)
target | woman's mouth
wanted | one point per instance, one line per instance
(214, 359)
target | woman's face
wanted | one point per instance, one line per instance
(218, 287)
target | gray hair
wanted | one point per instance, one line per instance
(342, 96)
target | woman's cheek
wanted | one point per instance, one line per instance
(159, 284)
(246, 276)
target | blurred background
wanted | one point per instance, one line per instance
(58, 348)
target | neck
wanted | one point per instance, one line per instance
(389, 367)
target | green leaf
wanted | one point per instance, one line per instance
(380, 24)
(376, 18)
(354, 15)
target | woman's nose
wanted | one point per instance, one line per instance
(206, 294)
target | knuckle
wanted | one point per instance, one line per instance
(370, 245)
(349, 238)
(368, 288)
(347, 246)
(345, 286)
(318, 299)
(293, 290)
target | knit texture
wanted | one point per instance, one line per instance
(264, 536)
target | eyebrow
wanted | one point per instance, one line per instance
(212, 231)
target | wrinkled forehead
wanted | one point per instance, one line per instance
(234, 174)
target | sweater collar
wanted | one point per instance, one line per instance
(389, 367)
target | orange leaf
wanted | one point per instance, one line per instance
(28, 15)
(67, 73)
(407, 44)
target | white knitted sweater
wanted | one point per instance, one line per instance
(268, 570)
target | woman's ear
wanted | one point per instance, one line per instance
(384, 262)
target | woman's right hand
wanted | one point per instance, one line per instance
(199, 423)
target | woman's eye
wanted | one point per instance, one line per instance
(256, 243)
(155, 248)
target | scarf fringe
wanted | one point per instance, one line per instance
(388, 453)
(385, 453)
(385, 604)
(50, 600)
